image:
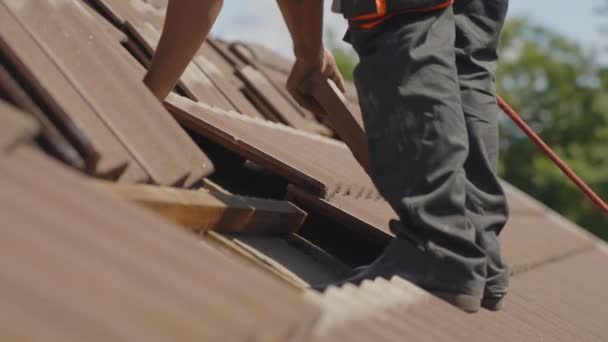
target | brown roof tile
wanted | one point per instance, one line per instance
(314, 162)
(259, 55)
(102, 152)
(93, 267)
(274, 99)
(103, 77)
(193, 81)
(222, 74)
(562, 301)
(280, 257)
(368, 217)
(79, 263)
(213, 82)
(531, 241)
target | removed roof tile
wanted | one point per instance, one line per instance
(322, 165)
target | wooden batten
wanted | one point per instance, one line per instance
(201, 210)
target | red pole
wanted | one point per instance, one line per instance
(553, 156)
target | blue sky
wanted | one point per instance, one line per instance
(259, 20)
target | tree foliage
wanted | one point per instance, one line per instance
(561, 91)
(346, 59)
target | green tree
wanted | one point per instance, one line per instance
(560, 90)
(346, 59)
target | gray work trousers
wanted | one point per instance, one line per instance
(426, 83)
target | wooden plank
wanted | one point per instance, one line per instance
(323, 166)
(16, 127)
(200, 210)
(80, 48)
(340, 117)
(103, 153)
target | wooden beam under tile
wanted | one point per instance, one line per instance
(15, 126)
(201, 210)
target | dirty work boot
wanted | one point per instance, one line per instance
(490, 301)
(493, 302)
(402, 258)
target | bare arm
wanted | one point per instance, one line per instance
(304, 18)
(186, 26)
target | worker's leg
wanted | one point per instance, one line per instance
(409, 92)
(187, 24)
(478, 27)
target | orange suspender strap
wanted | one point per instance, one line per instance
(381, 15)
(381, 11)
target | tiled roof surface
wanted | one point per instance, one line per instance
(80, 262)
(553, 303)
(96, 268)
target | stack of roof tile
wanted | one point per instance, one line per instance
(80, 263)
(95, 96)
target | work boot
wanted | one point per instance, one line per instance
(404, 259)
(492, 302)
(497, 282)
